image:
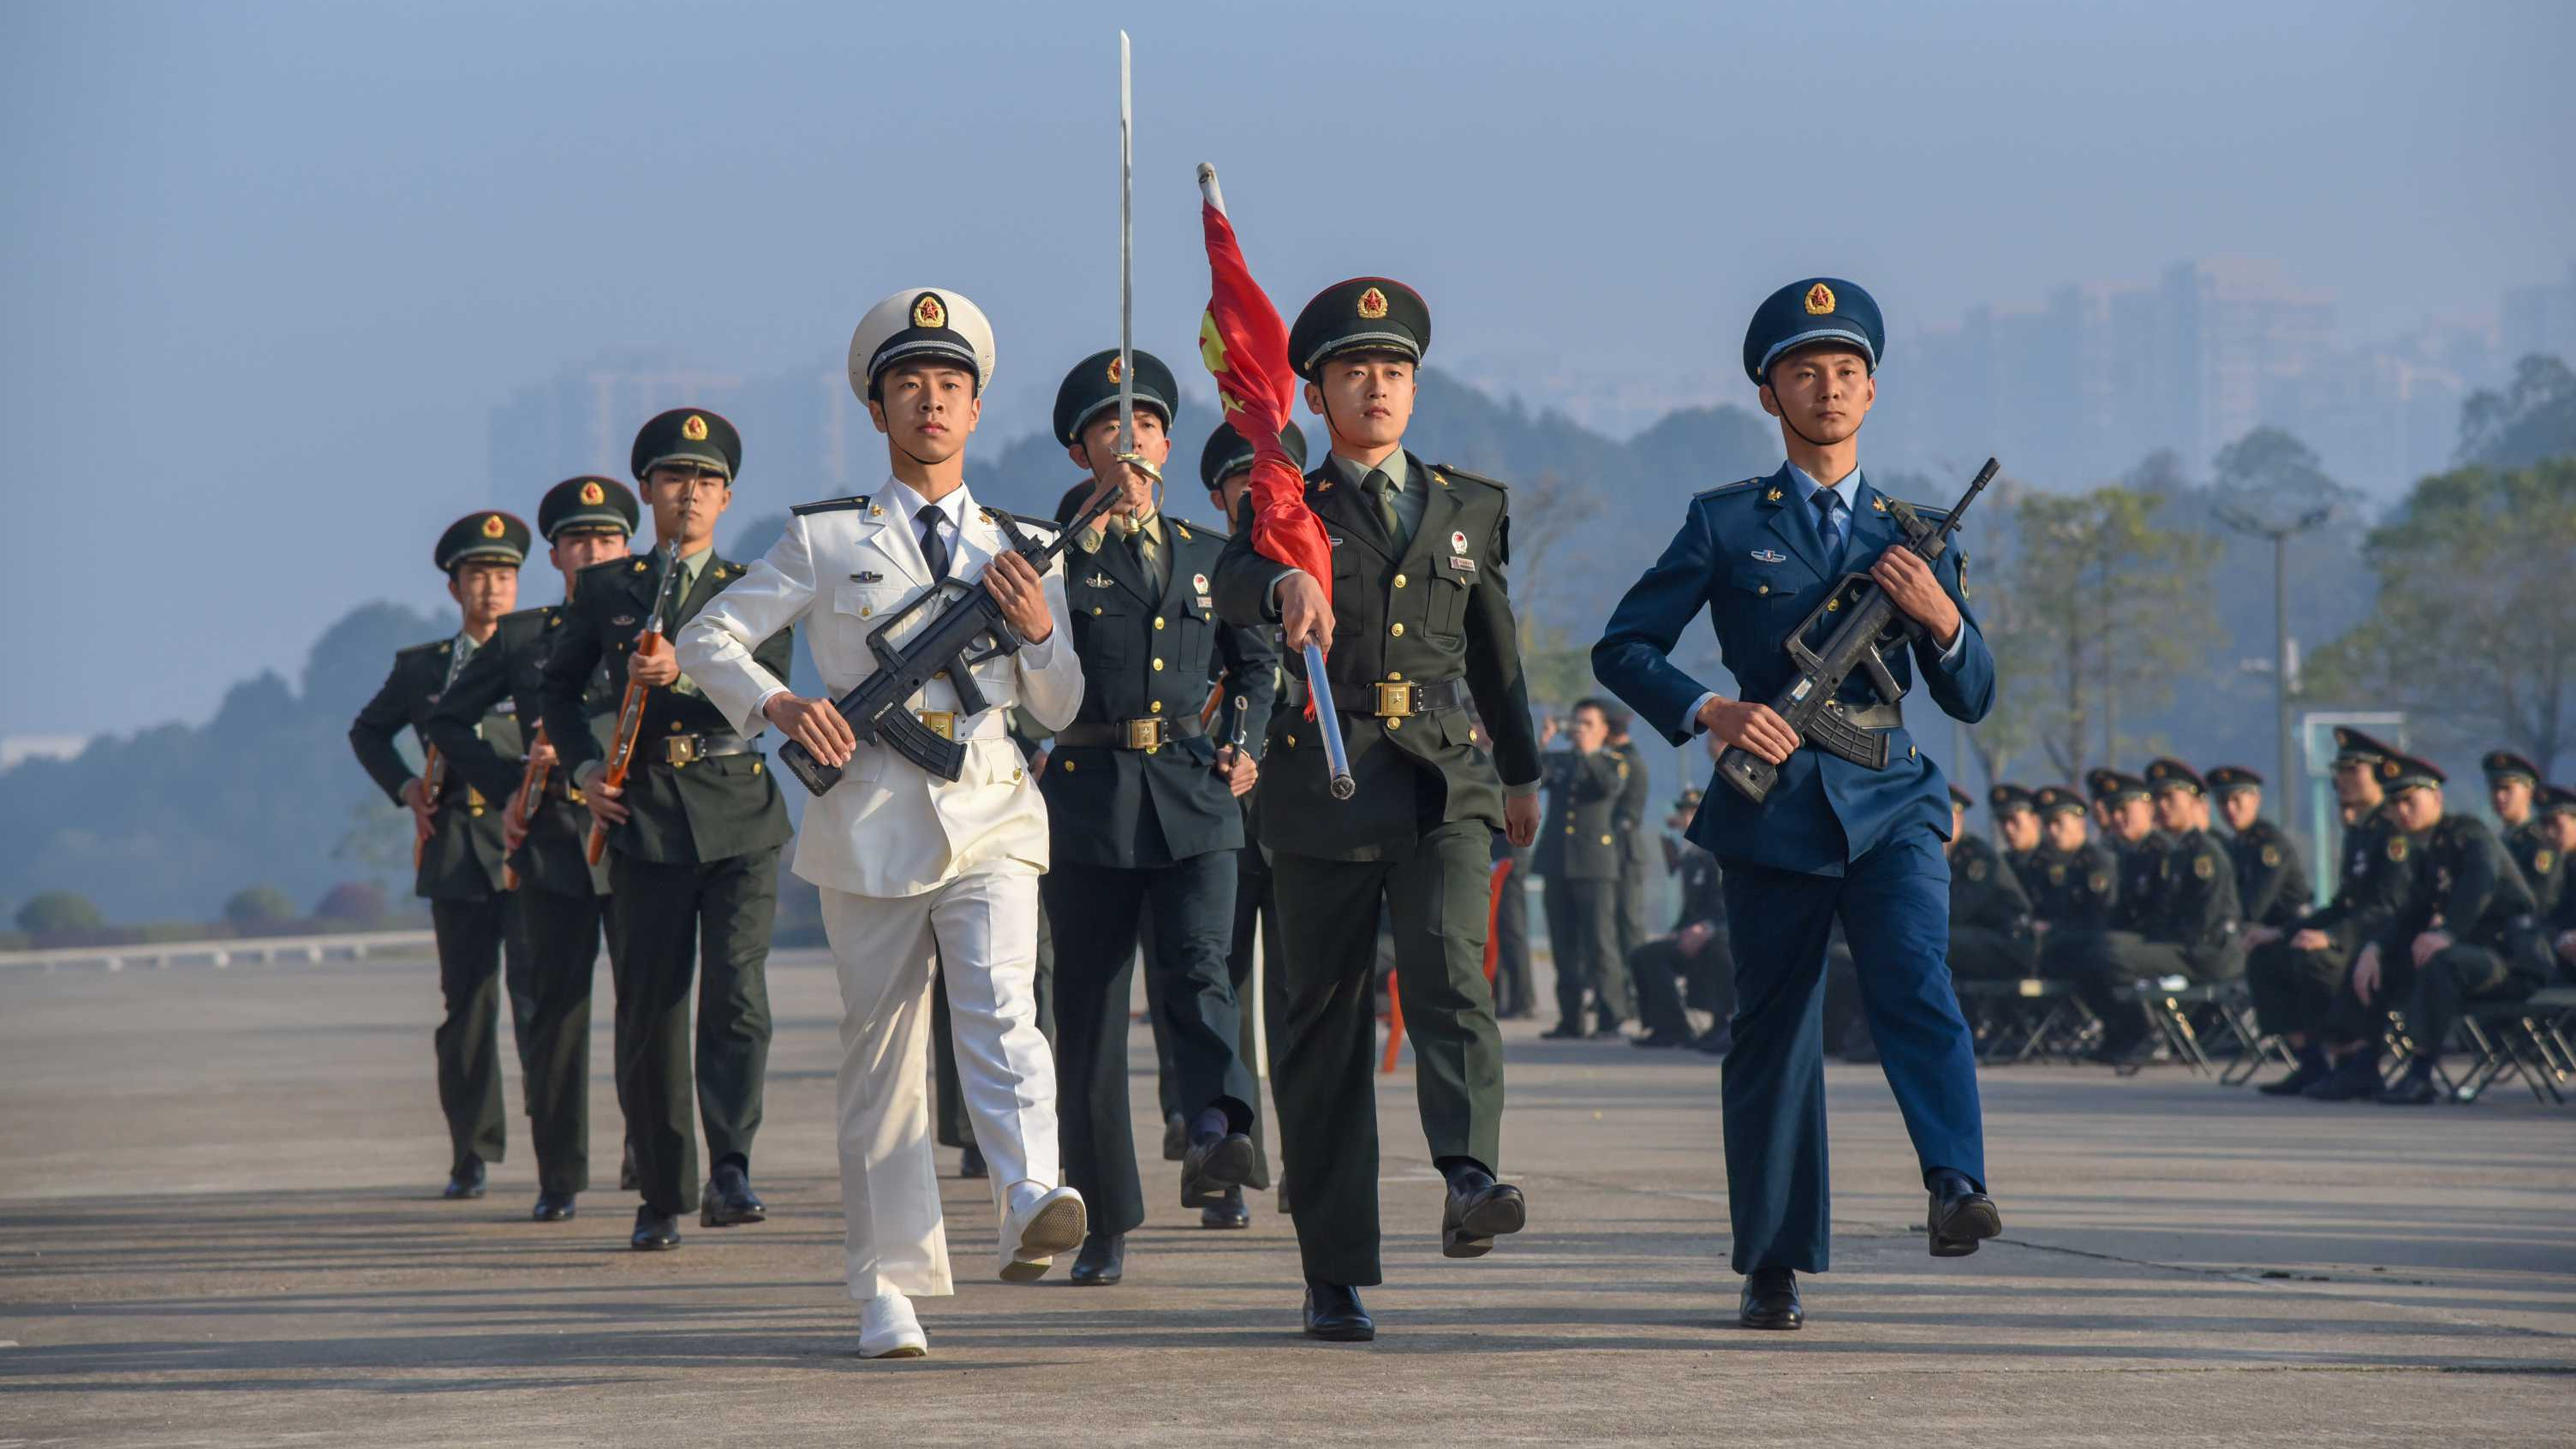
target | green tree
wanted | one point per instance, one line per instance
(259, 905)
(2475, 627)
(56, 913)
(2532, 419)
(2099, 611)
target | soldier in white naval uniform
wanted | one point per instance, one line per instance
(913, 867)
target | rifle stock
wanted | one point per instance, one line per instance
(433, 779)
(1870, 624)
(532, 788)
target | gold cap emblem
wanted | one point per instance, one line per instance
(493, 527)
(1820, 300)
(1372, 304)
(592, 493)
(930, 311)
(1117, 369)
(694, 428)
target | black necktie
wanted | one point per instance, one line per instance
(934, 549)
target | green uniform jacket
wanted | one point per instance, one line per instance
(2271, 881)
(1580, 839)
(1984, 891)
(2466, 883)
(2371, 883)
(2541, 867)
(2198, 909)
(511, 667)
(1146, 655)
(462, 859)
(1635, 790)
(708, 810)
(2143, 879)
(1438, 613)
(2073, 891)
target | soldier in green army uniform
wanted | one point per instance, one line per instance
(694, 837)
(2271, 881)
(1144, 819)
(2016, 813)
(2177, 914)
(2139, 841)
(2465, 933)
(2294, 977)
(1990, 915)
(2073, 881)
(1418, 628)
(2558, 819)
(2513, 787)
(1225, 466)
(458, 830)
(1583, 863)
(1629, 824)
(562, 897)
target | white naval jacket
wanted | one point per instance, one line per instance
(890, 828)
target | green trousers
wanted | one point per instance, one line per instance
(563, 934)
(672, 927)
(472, 937)
(1324, 1030)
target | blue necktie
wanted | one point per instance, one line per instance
(1829, 524)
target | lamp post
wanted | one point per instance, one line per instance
(2280, 534)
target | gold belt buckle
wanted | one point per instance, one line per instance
(1145, 734)
(679, 750)
(942, 723)
(1394, 700)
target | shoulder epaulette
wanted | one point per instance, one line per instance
(434, 646)
(1457, 472)
(1200, 530)
(1029, 519)
(1725, 488)
(831, 505)
(633, 563)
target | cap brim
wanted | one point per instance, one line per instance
(1083, 419)
(700, 460)
(1809, 339)
(918, 347)
(1365, 342)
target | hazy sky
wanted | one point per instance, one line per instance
(268, 267)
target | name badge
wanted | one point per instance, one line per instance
(1462, 563)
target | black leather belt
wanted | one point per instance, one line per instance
(1149, 734)
(1402, 698)
(679, 750)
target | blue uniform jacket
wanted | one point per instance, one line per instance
(1748, 552)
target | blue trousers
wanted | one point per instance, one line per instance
(1895, 908)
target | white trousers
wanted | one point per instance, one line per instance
(984, 926)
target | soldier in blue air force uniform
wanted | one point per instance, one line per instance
(1833, 838)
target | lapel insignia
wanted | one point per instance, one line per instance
(1458, 542)
(867, 576)
(1771, 497)
(1878, 505)
(1769, 555)
(641, 565)
(1184, 531)
(1198, 583)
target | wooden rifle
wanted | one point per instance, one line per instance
(650, 644)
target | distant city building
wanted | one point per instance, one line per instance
(803, 432)
(2541, 318)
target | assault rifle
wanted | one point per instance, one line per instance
(531, 794)
(1870, 625)
(967, 630)
(655, 640)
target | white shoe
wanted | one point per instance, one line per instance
(887, 1329)
(1042, 1222)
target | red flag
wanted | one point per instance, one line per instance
(1245, 347)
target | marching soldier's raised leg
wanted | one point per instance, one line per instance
(692, 835)
(459, 851)
(1419, 626)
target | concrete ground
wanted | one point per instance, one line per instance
(221, 1228)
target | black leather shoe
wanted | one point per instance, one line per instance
(1102, 1261)
(1226, 1212)
(1655, 1041)
(552, 1207)
(1770, 1300)
(1334, 1314)
(1960, 1217)
(2312, 1069)
(1610, 1032)
(465, 1180)
(1212, 1165)
(2415, 1089)
(1478, 1211)
(970, 1162)
(1176, 1137)
(1563, 1031)
(654, 1232)
(2353, 1078)
(729, 1201)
